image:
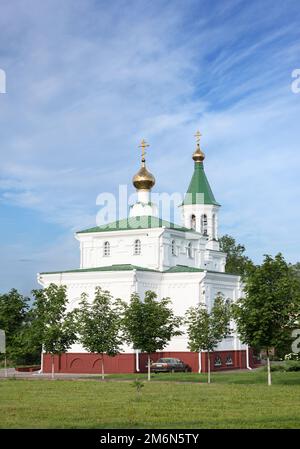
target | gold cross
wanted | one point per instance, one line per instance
(143, 145)
(198, 136)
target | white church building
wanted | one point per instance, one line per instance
(144, 252)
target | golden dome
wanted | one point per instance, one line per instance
(143, 180)
(198, 155)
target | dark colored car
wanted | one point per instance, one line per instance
(169, 365)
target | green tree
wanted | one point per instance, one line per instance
(52, 325)
(296, 269)
(150, 324)
(270, 306)
(206, 329)
(99, 324)
(236, 261)
(13, 319)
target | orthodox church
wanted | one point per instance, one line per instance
(143, 252)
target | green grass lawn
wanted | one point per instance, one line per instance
(258, 376)
(234, 400)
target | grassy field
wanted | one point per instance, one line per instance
(258, 376)
(234, 400)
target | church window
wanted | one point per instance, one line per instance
(173, 248)
(218, 361)
(204, 224)
(193, 222)
(106, 250)
(229, 360)
(137, 247)
(189, 250)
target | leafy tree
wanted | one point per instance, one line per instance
(296, 269)
(13, 316)
(236, 261)
(52, 325)
(206, 329)
(270, 306)
(150, 324)
(99, 324)
(27, 351)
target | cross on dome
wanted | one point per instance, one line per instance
(144, 145)
(198, 155)
(198, 136)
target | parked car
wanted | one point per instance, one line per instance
(169, 365)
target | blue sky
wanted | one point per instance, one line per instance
(86, 80)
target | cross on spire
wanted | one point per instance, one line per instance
(198, 136)
(143, 145)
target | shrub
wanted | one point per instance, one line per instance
(288, 366)
(138, 385)
(292, 366)
(275, 368)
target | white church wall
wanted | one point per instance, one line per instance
(120, 286)
(184, 289)
(229, 286)
(121, 248)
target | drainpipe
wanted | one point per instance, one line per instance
(247, 358)
(137, 364)
(42, 362)
(159, 247)
(199, 362)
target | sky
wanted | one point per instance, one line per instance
(87, 80)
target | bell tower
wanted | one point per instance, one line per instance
(200, 208)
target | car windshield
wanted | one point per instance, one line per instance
(167, 361)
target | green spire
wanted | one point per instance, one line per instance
(199, 191)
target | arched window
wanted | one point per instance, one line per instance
(106, 249)
(204, 224)
(229, 360)
(193, 222)
(213, 226)
(137, 247)
(218, 361)
(189, 250)
(173, 248)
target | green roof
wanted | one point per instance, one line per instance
(129, 267)
(121, 267)
(199, 191)
(183, 269)
(133, 223)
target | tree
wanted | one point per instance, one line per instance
(150, 324)
(99, 324)
(236, 261)
(206, 329)
(296, 269)
(53, 325)
(13, 313)
(270, 306)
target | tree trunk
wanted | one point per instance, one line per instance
(5, 365)
(52, 366)
(102, 368)
(269, 369)
(208, 367)
(199, 362)
(149, 371)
